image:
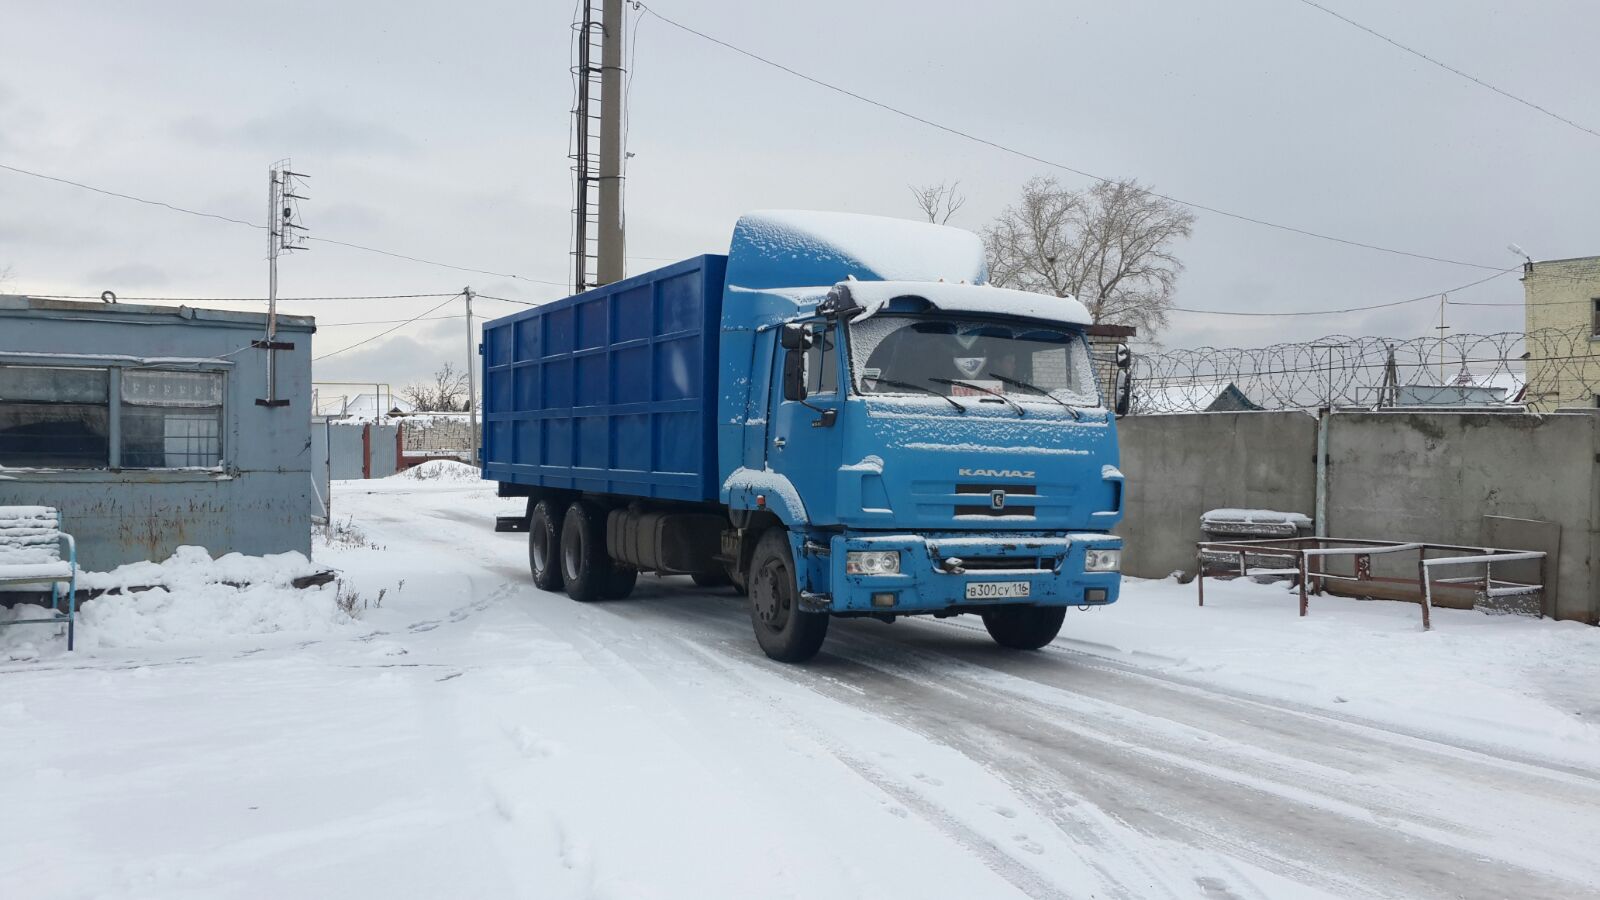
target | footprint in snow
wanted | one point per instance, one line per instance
(925, 778)
(530, 744)
(1005, 811)
(1033, 847)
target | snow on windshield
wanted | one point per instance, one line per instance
(971, 358)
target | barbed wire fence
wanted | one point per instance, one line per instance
(1340, 371)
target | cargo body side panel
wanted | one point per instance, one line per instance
(611, 391)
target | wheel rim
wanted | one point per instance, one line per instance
(571, 553)
(773, 597)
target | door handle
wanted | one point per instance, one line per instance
(779, 442)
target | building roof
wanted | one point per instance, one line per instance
(46, 307)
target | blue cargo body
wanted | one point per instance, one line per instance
(611, 391)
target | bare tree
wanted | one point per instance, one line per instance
(1110, 246)
(6, 272)
(938, 201)
(446, 393)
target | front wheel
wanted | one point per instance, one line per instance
(785, 631)
(1024, 627)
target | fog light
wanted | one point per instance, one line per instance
(886, 599)
(1102, 560)
(1094, 595)
(872, 562)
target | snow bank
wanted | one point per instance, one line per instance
(441, 470)
(193, 598)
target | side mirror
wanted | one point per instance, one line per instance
(794, 371)
(1124, 389)
(1124, 357)
(794, 337)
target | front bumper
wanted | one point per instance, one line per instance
(1051, 565)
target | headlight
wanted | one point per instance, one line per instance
(872, 562)
(1102, 561)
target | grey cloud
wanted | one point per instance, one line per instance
(304, 131)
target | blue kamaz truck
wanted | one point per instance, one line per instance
(839, 418)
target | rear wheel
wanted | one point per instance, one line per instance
(544, 545)
(785, 631)
(586, 568)
(1024, 627)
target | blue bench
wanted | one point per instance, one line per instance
(31, 544)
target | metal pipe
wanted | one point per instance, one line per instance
(1323, 416)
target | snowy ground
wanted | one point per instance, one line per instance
(470, 736)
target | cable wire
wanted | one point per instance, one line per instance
(1449, 68)
(387, 330)
(1331, 312)
(246, 299)
(1047, 162)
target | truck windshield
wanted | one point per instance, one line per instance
(971, 358)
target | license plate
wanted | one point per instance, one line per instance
(993, 590)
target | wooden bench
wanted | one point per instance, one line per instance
(31, 542)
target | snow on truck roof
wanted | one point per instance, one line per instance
(879, 259)
(969, 298)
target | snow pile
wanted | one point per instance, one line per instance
(441, 470)
(191, 598)
(1253, 517)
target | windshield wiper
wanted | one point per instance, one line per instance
(1076, 415)
(920, 387)
(978, 387)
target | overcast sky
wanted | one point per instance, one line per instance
(440, 130)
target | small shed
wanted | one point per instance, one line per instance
(141, 425)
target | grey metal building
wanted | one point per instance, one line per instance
(141, 424)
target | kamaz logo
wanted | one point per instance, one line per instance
(995, 473)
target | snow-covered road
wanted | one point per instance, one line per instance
(474, 737)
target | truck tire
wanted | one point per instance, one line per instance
(621, 582)
(544, 545)
(1024, 627)
(785, 631)
(586, 567)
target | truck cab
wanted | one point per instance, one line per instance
(930, 444)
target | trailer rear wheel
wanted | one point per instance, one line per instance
(785, 631)
(1024, 627)
(620, 583)
(544, 545)
(586, 567)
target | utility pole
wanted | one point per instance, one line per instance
(284, 234)
(472, 381)
(597, 253)
(610, 265)
(1443, 299)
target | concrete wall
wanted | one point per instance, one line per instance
(1179, 466)
(1438, 476)
(1435, 476)
(259, 501)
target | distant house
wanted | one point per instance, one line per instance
(1465, 390)
(142, 425)
(1190, 397)
(1562, 307)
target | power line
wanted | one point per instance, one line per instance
(1042, 161)
(509, 300)
(245, 299)
(207, 215)
(387, 330)
(1449, 68)
(321, 325)
(1330, 312)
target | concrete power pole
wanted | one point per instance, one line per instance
(472, 379)
(610, 262)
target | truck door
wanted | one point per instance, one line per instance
(803, 440)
